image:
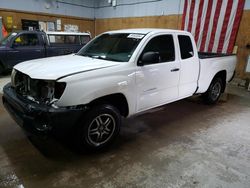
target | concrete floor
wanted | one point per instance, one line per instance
(183, 144)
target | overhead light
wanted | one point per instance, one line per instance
(109, 1)
(114, 3)
(47, 5)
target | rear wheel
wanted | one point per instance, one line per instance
(99, 128)
(214, 91)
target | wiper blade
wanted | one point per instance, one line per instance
(98, 57)
(105, 58)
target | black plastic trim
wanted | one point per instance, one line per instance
(32, 116)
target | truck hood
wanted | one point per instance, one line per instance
(53, 68)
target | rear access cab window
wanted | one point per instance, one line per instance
(186, 47)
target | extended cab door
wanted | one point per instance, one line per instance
(189, 71)
(157, 83)
(25, 46)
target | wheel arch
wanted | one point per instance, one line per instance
(223, 75)
(118, 100)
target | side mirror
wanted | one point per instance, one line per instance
(149, 57)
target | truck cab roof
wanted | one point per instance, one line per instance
(65, 33)
(52, 32)
(147, 31)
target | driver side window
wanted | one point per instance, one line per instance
(163, 45)
(26, 40)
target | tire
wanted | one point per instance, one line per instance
(214, 91)
(98, 129)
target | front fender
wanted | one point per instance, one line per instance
(83, 91)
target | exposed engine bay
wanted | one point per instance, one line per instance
(39, 91)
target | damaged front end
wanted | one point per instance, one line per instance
(39, 91)
(32, 104)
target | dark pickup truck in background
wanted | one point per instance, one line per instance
(26, 45)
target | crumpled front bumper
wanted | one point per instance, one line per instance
(40, 119)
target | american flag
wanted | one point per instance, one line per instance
(213, 23)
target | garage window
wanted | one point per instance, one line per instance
(84, 39)
(64, 39)
(72, 39)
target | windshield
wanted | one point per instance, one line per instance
(7, 39)
(113, 47)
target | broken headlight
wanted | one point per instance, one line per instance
(40, 91)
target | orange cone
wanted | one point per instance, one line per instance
(4, 31)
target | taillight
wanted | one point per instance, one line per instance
(59, 89)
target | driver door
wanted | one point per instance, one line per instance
(157, 83)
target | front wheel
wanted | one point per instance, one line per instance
(214, 91)
(99, 128)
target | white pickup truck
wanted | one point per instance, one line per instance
(119, 73)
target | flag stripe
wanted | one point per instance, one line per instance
(225, 24)
(235, 25)
(195, 17)
(198, 25)
(202, 23)
(191, 14)
(184, 14)
(210, 27)
(209, 8)
(219, 26)
(230, 26)
(215, 23)
(187, 15)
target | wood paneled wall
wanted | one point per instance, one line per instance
(169, 22)
(242, 40)
(84, 24)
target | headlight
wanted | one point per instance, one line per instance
(48, 91)
(41, 91)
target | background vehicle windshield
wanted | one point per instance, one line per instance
(5, 40)
(113, 47)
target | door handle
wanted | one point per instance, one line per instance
(174, 70)
(14, 51)
(38, 50)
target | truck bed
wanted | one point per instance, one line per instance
(212, 63)
(205, 55)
